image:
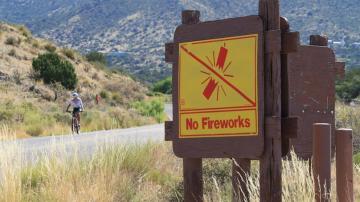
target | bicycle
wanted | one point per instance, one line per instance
(75, 126)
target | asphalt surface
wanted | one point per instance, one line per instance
(86, 144)
(169, 111)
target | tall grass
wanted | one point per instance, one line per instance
(113, 173)
(147, 172)
(349, 117)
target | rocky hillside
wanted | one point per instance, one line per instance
(133, 32)
(31, 107)
(18, 48)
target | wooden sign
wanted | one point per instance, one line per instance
(223, 71)
(312, 73)
(218, 89)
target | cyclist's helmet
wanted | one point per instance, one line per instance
(75, 94)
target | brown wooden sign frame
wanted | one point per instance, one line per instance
(219, 147)
(278, 113)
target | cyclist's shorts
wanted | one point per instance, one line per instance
(76, 110)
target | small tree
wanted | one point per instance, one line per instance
(96, 57)
(163, 86)
(51, 69)
(349, 88)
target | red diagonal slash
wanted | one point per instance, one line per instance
(218, 75)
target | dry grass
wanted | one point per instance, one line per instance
(147, 172)
(349, 117)
(114, 173)
(28, 119)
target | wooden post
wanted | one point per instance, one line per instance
(344, 165)
(321, 161)
(270, 162)
(240, 172)
(189, 17)
(193, 181)
(285, 142)
(318, 40)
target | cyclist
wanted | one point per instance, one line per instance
(77, 105)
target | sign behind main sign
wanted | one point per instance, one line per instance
(218, 89)
(311, 93)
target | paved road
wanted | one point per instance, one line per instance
(86, 143)
(169, 111)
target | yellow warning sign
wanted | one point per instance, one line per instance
(218, 92)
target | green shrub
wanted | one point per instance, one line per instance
(33, 177)
(24, 31)
(104, 94)
(12, 53)
(35, 130)
(98, 65)
(349, 88)
(51, 69)
(69, 53)
(50, 48)
(16, 76)
(96, 57)
(6, 116)
(12, 41)
(35, 44)
(117, 98)
(154, 108)
(163, 86)
(218, 170)
(357, 159)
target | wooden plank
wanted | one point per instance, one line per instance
(169, 52)
(285, 28)
(169, 130)
(311, 66)
(340, 69)
(192, 167)
(321, 162)
(273, 41)
(193, 180)
(273, 127)
(290, 42)
(190, 17)
(290, 127)
(344, 165)
(318, 40)
(270, 163)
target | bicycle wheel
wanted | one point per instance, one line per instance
(76, 126)
(73, 125)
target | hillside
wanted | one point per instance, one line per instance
(31, 107)
(134, 31)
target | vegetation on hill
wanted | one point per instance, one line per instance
(52, 69)
(96, 57)
(349, 88)
(163, 86)
(34, 107)
(134, 32)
